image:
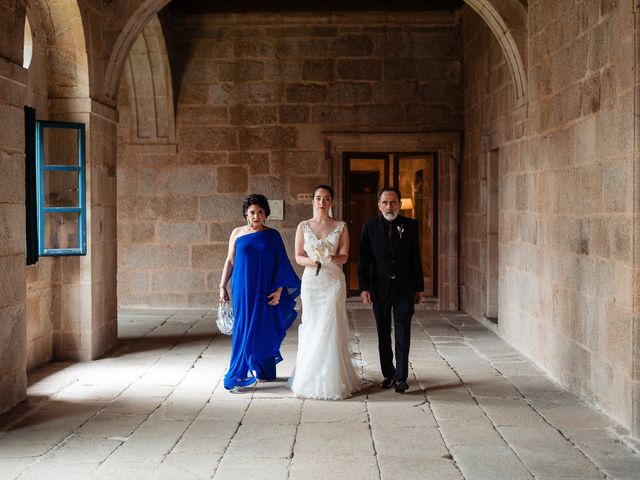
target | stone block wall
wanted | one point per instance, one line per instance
(43, 280)
(71, 301)
(13, 79)
(256, 96)
(565, 193)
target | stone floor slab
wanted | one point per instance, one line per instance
(320, 411)
(43, 470)
(207, 437)
(418, 468)
(155, 408)
(309, 466)
(263, 440)
(181, 465)
(413, 442)
(249, 466)
(511, 412)
(274, 411)
(394, 414)
(458, 434)
(326, 439)
(112, 425)
(489, 462)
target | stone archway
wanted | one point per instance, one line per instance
(66, 49)
(138, 18)
(86, 327)
(148, 78)
(507, 19)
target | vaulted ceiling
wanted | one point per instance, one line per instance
(208, 6)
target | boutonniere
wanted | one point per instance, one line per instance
(400, 230)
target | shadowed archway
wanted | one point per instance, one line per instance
(505, 18)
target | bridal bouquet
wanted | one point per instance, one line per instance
(322, 255)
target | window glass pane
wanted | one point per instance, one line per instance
(416, 182)
(60, 188)
(365, 177)
(61, 230)
(60, 146)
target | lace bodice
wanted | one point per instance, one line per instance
(311, 241)
(315, 247)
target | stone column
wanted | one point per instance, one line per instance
(13, 331)
(88, 325)
(635, 341)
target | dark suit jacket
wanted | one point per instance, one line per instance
(377, 267)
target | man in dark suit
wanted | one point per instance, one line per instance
(390, 276)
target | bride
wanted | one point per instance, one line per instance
(324, 365)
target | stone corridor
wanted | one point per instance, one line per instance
(155, 408)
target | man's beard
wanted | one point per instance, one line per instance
(390, 217)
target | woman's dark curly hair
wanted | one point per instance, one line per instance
(256, 199)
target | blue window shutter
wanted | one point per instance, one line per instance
(75, 244)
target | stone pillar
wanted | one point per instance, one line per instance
(635, 341)
(88, 325)
(13, 332)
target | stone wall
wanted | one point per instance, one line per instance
(256, 96)
(565, 193)
(43, 278)
(13, 79)
(76, 57)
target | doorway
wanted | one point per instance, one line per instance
(492, 256)
(414, 174)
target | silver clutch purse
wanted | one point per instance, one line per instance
(225, 318)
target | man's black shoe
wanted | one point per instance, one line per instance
(401, 386)
(387, 383)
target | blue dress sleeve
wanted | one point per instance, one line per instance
(284, 276)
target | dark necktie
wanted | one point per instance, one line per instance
(390, 236)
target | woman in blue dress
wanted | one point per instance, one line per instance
(264, 287)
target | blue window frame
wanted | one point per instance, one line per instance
(60, 188)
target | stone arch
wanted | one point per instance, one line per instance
(66, 48)
(148, 77)
(507, 19)
(136, 22)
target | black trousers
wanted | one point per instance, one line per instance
(403, 309)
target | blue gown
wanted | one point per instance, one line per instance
(260, 266)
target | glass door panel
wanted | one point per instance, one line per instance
(61, 230)
(60, 146)
(365, 177)
(415, 180)
(414, 175)
(61, 188)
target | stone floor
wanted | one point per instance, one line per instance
(156, 408)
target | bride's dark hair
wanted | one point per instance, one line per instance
(323, 187)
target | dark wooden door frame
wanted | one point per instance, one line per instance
(395, 157)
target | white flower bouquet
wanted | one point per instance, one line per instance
(321, 255)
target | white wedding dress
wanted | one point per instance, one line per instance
(324, 368)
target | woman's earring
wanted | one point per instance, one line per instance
(248, 222)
